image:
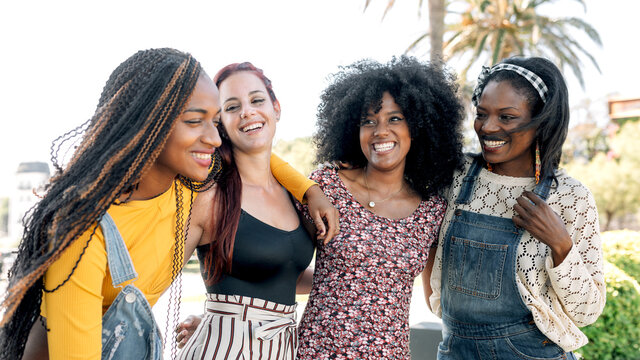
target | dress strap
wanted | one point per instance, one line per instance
(469, 182)
(120, 264)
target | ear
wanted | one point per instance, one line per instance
(276, 108)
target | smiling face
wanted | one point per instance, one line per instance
(194, 137)
(248, 114)
(500, 111)
(385, 138)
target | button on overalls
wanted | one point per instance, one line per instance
(129, 330)
(483, 314)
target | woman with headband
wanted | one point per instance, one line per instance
(519, 265)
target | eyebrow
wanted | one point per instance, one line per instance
(198, 110)
(501, 109)
(394, 112)
(250, 93)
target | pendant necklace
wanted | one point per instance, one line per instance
(372, 203)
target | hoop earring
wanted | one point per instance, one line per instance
(538, 162)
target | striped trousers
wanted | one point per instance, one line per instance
(241, 327)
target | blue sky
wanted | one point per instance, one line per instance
(58, 55)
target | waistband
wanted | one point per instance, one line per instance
(274, 317)
(485, 331)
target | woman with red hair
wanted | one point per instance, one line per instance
(255, 247)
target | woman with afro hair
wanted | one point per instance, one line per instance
(393, 130)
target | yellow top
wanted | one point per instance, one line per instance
(74, 311)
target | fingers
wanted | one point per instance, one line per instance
(321, 229)
(537, 200)
(333, 222)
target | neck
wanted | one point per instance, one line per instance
(152, 184)
(255, 169)
(376, 180)
(523, 169)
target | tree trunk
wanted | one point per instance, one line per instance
(608, 216)
(436, 28)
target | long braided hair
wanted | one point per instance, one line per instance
(134, 117)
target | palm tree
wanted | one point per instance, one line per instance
(492, 30)
(436, 25)
(488, 31)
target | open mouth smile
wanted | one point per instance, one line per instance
(252, 127)
(384, 147)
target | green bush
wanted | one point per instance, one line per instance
(622, 248)
(616, 334)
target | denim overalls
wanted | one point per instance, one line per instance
(129, 330)
(483, 314)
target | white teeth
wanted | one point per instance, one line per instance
(383, 146)
(203, 156)
(252, 127)
(493, 143)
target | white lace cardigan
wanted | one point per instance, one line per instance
(561, 298)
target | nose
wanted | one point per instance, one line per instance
(247, 112)
(211, 136)
(382, 128)
(490, 125)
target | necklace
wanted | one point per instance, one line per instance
(372, 203)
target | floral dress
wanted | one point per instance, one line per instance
(359, 304)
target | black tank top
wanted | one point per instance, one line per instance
(266, 261)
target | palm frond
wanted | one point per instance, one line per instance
(416, 42)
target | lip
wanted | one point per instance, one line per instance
(492, 144)
(384, 147)
(249, 124)
(200, 159)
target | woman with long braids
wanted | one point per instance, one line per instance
(108, 237)
(518, 268)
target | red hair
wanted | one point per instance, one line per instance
(231, 69)
(228, 197)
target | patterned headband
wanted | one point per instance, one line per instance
(532, 78)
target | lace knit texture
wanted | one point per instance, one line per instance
(560, 298)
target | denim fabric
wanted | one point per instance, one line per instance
(129, 330)
(483, 314)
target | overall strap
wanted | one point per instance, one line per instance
(543, 187)
(469, 181)
(120, 264)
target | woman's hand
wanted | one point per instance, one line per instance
(185, 329)
(325, 216)
(535, 216)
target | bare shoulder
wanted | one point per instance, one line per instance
(203, 209)
(350, 175)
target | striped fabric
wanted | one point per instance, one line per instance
(241, 327)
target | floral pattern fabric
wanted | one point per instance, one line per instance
(358, 307)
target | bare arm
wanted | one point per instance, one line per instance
(201, 222)
(426, 275)
(305, 280)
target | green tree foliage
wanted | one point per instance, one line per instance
(491, 30)
(616, 334)
(585, 141)
(622, 248)
(487, 31)
(298, 152)
(614, 178)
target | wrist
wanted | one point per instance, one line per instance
(311, 192)
(560, 251)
